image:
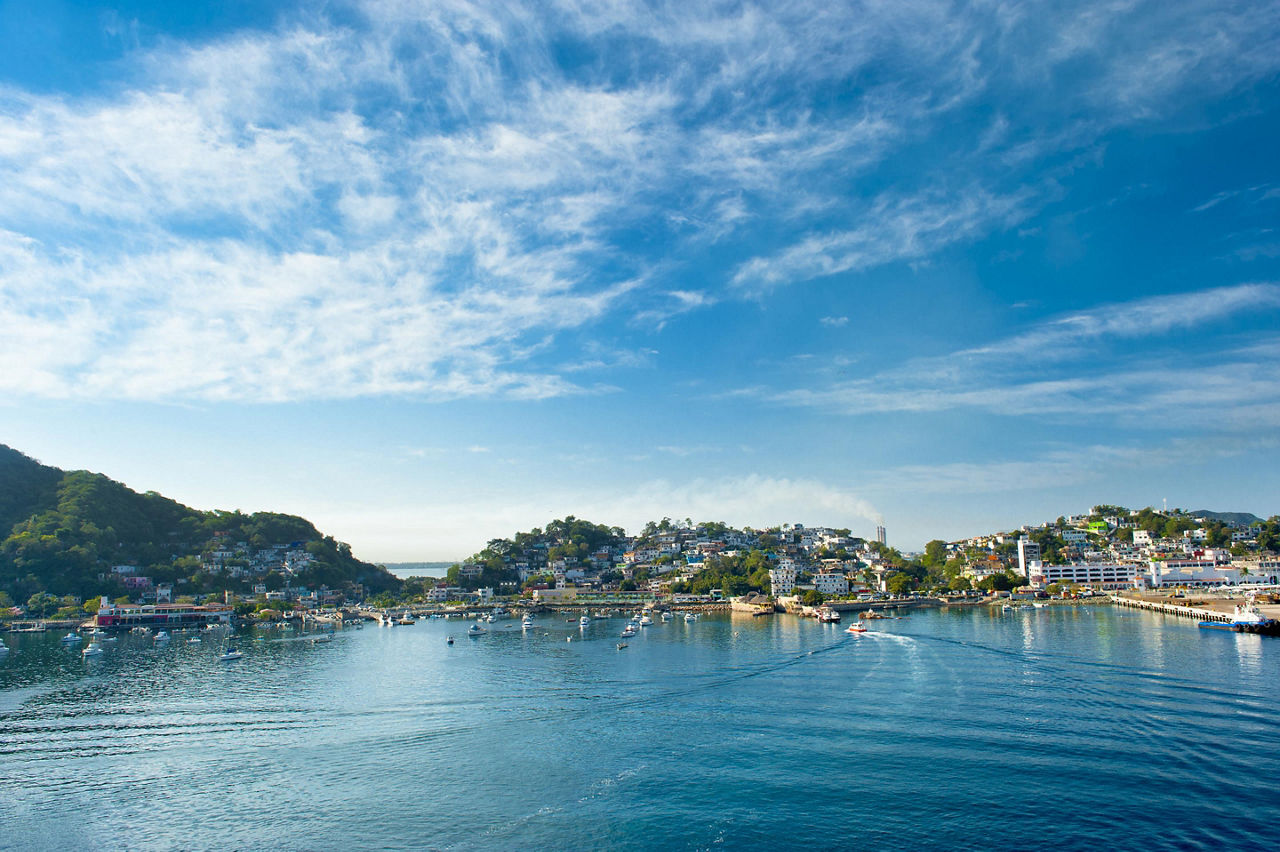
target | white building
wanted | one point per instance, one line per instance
(1191, 572)
(1097, 576)
(1028, 552)
(781, 581)
(831, 583)
(1075, 536)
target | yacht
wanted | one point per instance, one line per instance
(476, 630)
(230, 654)
(526, 623)
(827, 615)
(645, 621)
(666, 616)
(92, 650)
(690, 617)
(585, 621)
(628, 631)
(162, 636)
(72, 639)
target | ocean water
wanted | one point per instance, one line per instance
(1073, 727)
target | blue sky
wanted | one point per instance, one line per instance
(429, 273)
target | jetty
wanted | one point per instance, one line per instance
(1180, 610)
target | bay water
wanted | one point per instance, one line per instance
(1073, 727)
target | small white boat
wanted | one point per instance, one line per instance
(645, 621)
(72, 639)
(856, 627)
(585, 621)
(666, 616)
(194, 640)
(489, 618)
(476, 630)
(162, 636)
(526, 623)
(689, 617)
(628, 632)
(230, 654)
(323, 637)
(92, 650)
(4, 649)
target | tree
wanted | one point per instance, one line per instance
(935, 553)
(42, 604)
(899, 583)
(812, 597)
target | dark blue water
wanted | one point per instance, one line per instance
(1072, 727)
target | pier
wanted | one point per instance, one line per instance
(1181, 610)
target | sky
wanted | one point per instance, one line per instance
(430, 273)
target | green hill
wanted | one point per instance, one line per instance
(62, 532)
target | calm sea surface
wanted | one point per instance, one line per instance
(1084, 727)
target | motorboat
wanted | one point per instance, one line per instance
(72, 639)
(645, 621)
(476, 630)
(827, 615)
(162, 636)
(4, 649)
(585, 621)
(194, 640)
(666, 616)
(856, 627)
(230, 654)
(93, 649)
(323, 637)
(621, 645)
(628, 632)
(690, 617)
(489, 618)
(407, 618)
(526, 623)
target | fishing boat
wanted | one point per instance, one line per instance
(856, 627)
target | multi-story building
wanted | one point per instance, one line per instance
(831, 583)
(781, 581)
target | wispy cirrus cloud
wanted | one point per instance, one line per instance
(1039, 372)
(423, 200)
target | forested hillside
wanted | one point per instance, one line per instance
(63, 532)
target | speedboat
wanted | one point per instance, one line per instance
(72, 639)
(585, 621)
(489, 618)
(690, 617)
(856, 627)
(526, 623)
(628, 632)
(92, 650)
(621, 645)
(827, 615)
(230, 654)
(476, 630)
(162, 636)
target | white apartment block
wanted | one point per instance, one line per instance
(781, 581)
(831, 584)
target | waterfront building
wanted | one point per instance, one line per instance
(126, 616)
(1097, 576)
(1191, 572)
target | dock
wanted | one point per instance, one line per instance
(1180, 610)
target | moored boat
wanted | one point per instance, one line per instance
(92, 650)
(827, 615)
(476, 630)
(72, 639)
(230, 654)
(1246, 618)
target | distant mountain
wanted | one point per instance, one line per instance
(1236, 518)
(63, 531)
(419, 569)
